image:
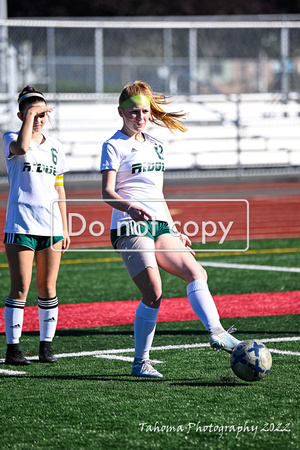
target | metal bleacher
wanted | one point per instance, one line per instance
(255, 133)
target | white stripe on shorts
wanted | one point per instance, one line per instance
(10, 238)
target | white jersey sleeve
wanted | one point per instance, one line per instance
(8, 138)
(110, 158)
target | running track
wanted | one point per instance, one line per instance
(274, 213)
(89, 315)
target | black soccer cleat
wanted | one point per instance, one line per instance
(45, 353)
(15, 357)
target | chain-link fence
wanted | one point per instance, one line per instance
(240, 81)
(182, 57)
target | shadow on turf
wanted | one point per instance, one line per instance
(225, 381)
(78, 332)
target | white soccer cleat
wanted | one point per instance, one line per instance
(144, 369)
(223, 340)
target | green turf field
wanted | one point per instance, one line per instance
(89, 399)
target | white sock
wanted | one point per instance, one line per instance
(144, 329)
(203, 304)
(13, 319)
(48, 313)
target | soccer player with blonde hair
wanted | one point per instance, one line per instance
(132, 167)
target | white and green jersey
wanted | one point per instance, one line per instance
(31, 178)
(140, 168)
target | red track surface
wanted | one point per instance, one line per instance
(88, 315)
(274, 211)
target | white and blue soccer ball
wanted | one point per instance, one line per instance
(251, 360)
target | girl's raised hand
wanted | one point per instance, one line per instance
(39, 110)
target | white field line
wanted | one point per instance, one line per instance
(251, 267)
(126, 358)
(111, 354)
(284, 352)
(208, 264)
(11, 372)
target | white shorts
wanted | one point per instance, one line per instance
(139, 254)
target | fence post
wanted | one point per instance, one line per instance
(284, 49)
(193, 59)
(168, 54)
(3, 46)
(51, 63)
(12, 83)
(238, 135)
(99, 60)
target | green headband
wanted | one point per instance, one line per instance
(136, 100)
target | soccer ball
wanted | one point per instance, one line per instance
(251, 360)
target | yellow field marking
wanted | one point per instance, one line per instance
(198, 255)
(80, 261)
(91, 260)
(251, 252)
